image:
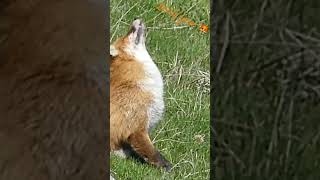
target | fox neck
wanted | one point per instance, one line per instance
(140, 54)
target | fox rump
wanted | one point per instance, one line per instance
(136, 96)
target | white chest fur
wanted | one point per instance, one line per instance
(152, 83)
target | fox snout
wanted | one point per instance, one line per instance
(133, 41)
(136, 34)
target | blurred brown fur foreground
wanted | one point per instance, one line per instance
(52, 90)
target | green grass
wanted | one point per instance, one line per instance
(182, 55)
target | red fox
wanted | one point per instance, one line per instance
(136, 96)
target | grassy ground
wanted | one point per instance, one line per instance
(267, 90)
(182, 55)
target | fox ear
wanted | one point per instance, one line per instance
(113, 51)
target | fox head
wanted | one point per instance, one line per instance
(134, 40)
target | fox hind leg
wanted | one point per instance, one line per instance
(142, 145)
